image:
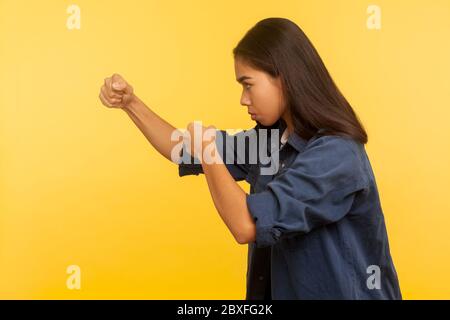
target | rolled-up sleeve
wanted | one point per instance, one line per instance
(188, 165)
(318, 188)
(227, 145)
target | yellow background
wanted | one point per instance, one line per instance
(80, 185)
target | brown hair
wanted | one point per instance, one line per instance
(279, 47)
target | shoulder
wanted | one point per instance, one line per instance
(334, 143)
(334, 155)
(345, 148)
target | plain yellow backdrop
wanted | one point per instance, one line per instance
(80, 185)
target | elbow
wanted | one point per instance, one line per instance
(241, 240)
(247, 235)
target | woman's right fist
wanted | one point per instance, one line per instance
(116, 92)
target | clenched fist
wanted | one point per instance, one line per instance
(200, 141)
(116, 92)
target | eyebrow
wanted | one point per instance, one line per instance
(243, 78)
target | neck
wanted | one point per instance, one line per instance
(287, 118)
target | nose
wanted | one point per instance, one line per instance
(245, 100)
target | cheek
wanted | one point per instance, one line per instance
(267, 101)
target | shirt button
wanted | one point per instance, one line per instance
(261, 278)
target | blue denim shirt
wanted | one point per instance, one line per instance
(320, 230)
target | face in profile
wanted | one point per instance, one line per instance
(261, 93)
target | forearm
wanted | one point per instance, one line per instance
(230, 201)
(157, 131)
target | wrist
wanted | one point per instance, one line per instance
(211, 153)
(132, 104)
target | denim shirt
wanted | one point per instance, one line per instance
(320, 230)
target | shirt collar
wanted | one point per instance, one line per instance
(297, 142)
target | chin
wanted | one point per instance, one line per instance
(265, 123)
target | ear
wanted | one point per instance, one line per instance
(278, 81)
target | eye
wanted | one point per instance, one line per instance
(247, 85)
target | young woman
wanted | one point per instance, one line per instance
(315, 227)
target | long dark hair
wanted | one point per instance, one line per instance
(279, 47)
